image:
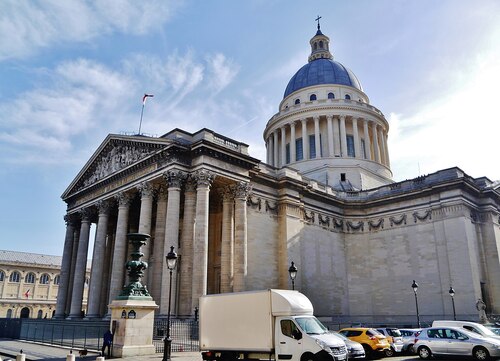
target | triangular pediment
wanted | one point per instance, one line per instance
(114, 155)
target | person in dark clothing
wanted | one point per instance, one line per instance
(107, 341)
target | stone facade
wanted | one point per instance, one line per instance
(29, 284)
(325, 200)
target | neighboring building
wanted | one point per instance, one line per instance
(325, 200)
(29, 284)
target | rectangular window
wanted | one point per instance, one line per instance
(312, 146)
(350, 146)
(299, 154)
(288, 153)
(363, 149)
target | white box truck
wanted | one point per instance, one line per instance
(267, 325)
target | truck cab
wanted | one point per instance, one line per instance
(266, 325)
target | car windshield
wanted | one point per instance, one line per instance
(341, 336)
(394, 332)
(311, 325)
(494, 329)
(372, 332)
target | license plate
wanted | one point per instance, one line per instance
(343, 357)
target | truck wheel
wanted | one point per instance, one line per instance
(308, 357)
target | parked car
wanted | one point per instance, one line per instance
(395, 339)
(372, 341)
(354, 349)
(409, 335)
(467, 325)
(455, 341)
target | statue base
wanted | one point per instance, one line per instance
(132, 326)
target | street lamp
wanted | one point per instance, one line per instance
(414, 285)
(452, 294)
(167, 341)
(293, 273)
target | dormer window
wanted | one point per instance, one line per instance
(331, 96)
(313, 97)
(347, 97)
(297, 101)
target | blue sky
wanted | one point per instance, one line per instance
(72, 72)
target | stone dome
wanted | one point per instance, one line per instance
(319, 72)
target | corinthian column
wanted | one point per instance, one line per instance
(159, 244)
(227, 242)
(81, 266)
(203, 179)
(317, 142)
(305, 140)
(146, 190)
(174, 179)
(336, 137)
(276, 149)
(329, 124)
(355, 134)
(367, 140)
(63, 291)
(376, 147)
(293, 151)
(241, 191)
(283, 146)
(120, 250)
(97, 270)
(343, 136)
(186, 265)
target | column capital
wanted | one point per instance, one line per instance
(242, 190)
(70, 219)
(227, 193)
(203, 178)
(104, 206)
(316, 118)
(292, 123)
(160, 192)
(329, 117)
(174, 178)
(123, 199)
(190, 184)
(86, 214)
(146, 189)
(342, 117)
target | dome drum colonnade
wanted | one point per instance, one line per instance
(325, 120)
(160, 198)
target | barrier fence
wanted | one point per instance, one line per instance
(80, 334)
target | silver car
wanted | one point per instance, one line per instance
(409, 338)
(354, 349)
(455, 341)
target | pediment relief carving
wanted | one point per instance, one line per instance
(115, 157)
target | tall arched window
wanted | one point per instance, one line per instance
(312, 97)
(30, 278)
(321, 44)
(331, 96)
(14, 277)
(44, 279)
(9, 313)
(315, 46)
(57, 279)
(40, 314)
(2, 276)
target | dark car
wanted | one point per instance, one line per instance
(354, 349)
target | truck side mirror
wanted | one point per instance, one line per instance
(297, 334)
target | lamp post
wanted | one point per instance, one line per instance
(452, 294)
(414, 285)
(167, 341)
(292, 271)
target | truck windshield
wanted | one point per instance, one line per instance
(311, 325)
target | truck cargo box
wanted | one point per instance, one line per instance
(245, 320)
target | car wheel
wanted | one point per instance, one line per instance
(308, 357)
(480, 353)
(424, 353)
(389, 352)
(368, 351)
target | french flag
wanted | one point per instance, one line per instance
(27, 293)
(145, 97)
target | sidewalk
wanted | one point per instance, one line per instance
(10, 348)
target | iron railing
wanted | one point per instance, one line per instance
(184, 335)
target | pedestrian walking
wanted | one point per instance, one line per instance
(107, 341)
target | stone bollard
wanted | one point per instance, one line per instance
(70, 357)
(99, 358)
(21, 356)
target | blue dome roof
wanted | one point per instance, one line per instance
(322, 71)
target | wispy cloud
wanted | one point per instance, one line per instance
(26, 26)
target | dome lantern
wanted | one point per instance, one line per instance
(320, 45)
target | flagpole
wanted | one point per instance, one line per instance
(140, 124)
